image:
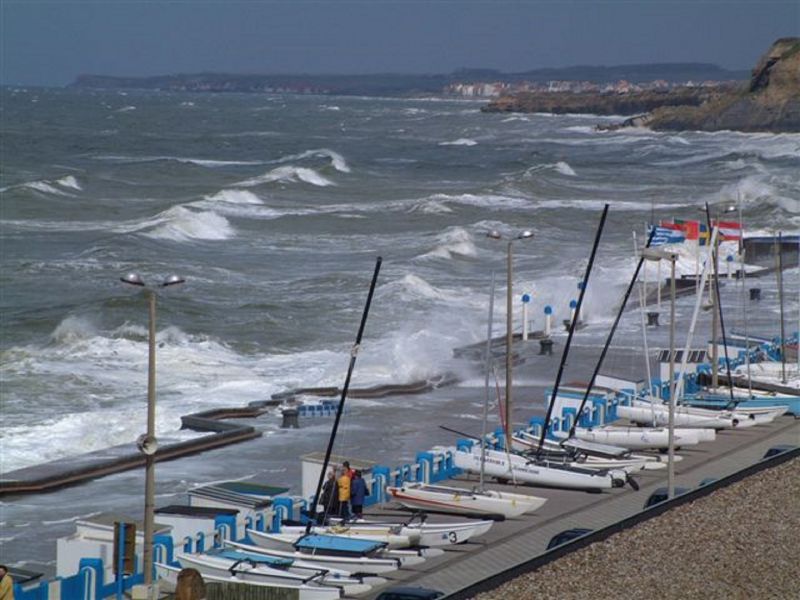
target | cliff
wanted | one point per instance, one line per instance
(771, 102)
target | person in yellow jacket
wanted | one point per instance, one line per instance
(6, 584)
(343, 482)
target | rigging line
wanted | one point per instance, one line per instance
(611, 336)
(744, 303)
(340, 408)
(572, 328)
(779, 259)
(644, 341)
(718, 307)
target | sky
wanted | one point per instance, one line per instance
(50, 42)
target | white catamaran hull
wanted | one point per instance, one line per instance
(640, 438)
(511, 466)
(355, 564)
(261, 573)
(526, 443)
(461, 501)
(657, 415)
(281, 542)
(168, 580)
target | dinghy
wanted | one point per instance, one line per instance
(354, 564)
(168, 581)
(641, 438)
(429, 534)
(334, 545)
(290, 535)
(657, 415)
(539, 472)
(423, 496)
(251, 567)
(527, 443)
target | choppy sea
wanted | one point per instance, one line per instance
(274, 209)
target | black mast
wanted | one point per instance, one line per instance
(572, 328)
(353, 355)
(611, 334)
(718, 307)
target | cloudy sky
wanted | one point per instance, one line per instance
(49, 42)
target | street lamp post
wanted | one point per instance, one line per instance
(659, 255)
(147, 443)
(495, 235)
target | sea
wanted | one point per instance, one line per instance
(274, 209)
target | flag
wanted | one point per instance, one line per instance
(728, 230)
(665, 235)
(690, 228)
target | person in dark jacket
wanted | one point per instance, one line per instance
(358, 491)
(330, 496)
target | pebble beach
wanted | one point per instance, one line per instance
(742, 541)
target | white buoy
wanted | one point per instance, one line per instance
(526, 298)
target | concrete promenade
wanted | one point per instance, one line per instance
(515, 541)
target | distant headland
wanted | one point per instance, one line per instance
(480, 83)
(769, 102)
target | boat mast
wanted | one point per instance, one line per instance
(743, 275)
(779, 262)
(345, 387)
(610, 336)
(486, 381)
(718, 311)
(572, 325)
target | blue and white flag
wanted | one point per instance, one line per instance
(665, 235)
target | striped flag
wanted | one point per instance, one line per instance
(729, 230)
(665, 235)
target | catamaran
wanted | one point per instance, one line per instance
(250, 567)
(168, 579)
(424, 496)
(354, 564)
(540, 472)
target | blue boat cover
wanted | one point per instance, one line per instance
(336, 543)
(257, 558)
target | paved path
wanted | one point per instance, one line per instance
(517, 540)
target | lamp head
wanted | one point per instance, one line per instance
(524, 235)
(132, 279)
(494, 234)
(173, 280)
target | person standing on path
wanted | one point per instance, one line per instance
(330, 497)
(358, 491)
(344, 495)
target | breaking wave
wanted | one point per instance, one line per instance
(181, 224)
(456, 241)
(460, 142)
(288, 174)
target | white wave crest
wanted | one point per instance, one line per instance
(73, 329)
(201, 162)
(337, 160)
(456, 241)
(564, 169)
(128, 108)
(288, 174)
(69, 182)
(44, 187)
(460, 142)
(493, 201)
(235, 197)
(181, 224)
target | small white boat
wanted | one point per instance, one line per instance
(264, 569)
(290, 534)
(525, 442)
(337, 545)
(456, 500)
(657, 415)
(430, 534)
(354, 564)
(538, 472)
(168, 580)
(640, 438)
